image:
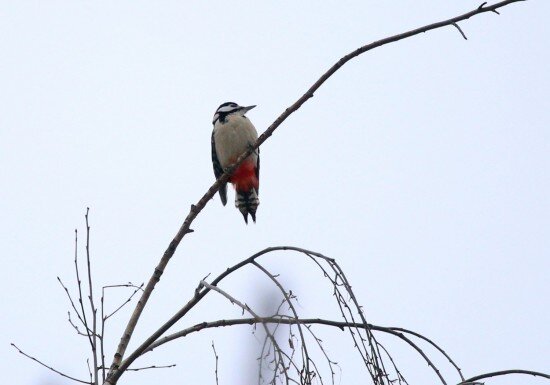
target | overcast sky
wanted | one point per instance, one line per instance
(422, 167)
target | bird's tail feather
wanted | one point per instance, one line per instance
(247, 202)
(223, 193)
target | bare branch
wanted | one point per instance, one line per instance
(104, 318)
(277, 351)
(503, 373)
(129, 284)
(151, 367)
(91, 299)
(373, 361)
(305, 356)
(292, 321)
(101, 341)
(201, 292)
(460, 30)
(434, 345)
(75, 310)
(400, 377)
(75, 327)
(70, 299)
(137, 288)
(216, 355)
(115, 372)
(79, 285)
(89, 369)
(49, 367)
(417, 348)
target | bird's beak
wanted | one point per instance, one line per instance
(246, 109)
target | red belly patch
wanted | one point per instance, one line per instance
(244, 178)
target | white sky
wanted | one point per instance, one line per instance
(422, 167)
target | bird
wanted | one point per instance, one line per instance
(232, 135)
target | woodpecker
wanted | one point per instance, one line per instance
(232, 135)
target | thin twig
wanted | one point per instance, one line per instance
(71, 301)
(101, 341)
(277, 351)
(89, 369)
(129, 284)
(104, 318)
(49, 367)
(151, 367)
(305, 356)
(373, 361)
(434, 345)
(75, 327)
(79, 285)
(91, 299)
(400, 377)
(185, 228)
(128, 300)
(460, 30)
(215, 355)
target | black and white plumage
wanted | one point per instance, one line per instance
(232, 135)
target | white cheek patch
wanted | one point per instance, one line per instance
(216, 117)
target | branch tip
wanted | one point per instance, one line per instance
(460, 30)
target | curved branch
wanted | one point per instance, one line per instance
(293, 321)
(115, 369)
(200, 292)
(340, 325)
(503, 373)
(434, 345)
(151, 342)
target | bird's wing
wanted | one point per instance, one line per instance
(218, 171)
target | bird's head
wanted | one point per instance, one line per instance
(229, 108)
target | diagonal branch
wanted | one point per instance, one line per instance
(49, 367)
(88, 331)
(136, 289)
(114, 372)
(407, 331)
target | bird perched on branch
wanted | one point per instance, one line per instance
(233, 134)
